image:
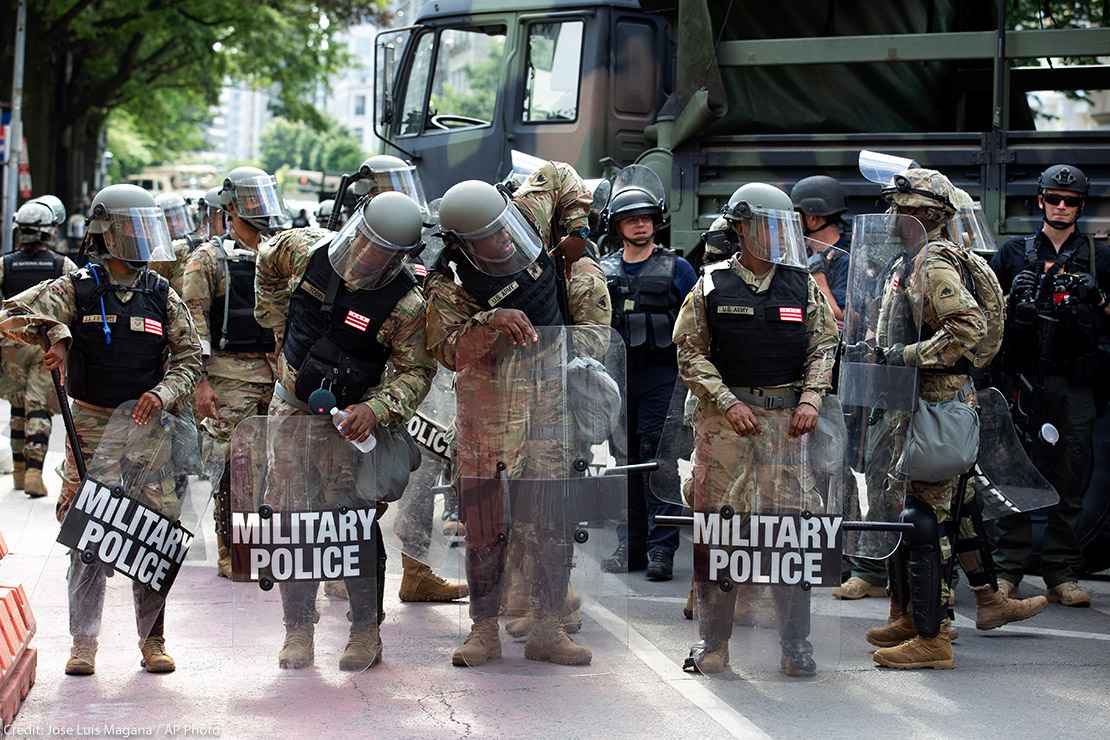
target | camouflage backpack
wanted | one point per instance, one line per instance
(981, 282)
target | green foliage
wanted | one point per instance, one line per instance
(295, 144)
(130, 153)
(479, 95)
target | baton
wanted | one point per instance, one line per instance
(67, 414)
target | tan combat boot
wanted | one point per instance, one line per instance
(920, 652)
(363, 651)
(992, 609)
(155, 658)
(571, 618)
(82, 657)
(223, 557)
(336, 590)
(857, 588)
(709, 662)
(548, 642)
(1069, 593)
(19, 471)
(899, 628)
(297, 651)
(33, 484)
(420, 584)
(481, 645)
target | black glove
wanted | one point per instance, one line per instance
(859, 352)
(892, 355)
(1025, 284)
(1086, 290)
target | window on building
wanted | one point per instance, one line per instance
(360, 105)
(467, 76)
(554, 63)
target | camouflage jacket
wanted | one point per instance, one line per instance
(692, 337)
(175, 271)
(204, 283)
(282, 261)
(53, 305)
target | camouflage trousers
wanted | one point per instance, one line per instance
(30, 390)
(87, 582)
(415, 511)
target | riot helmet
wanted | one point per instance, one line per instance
(383, 173)
(57, 209)
(130, 225)
(768, 226)
(819, 195)
(371, 248)
(323, 212)
(1069, 179)
(252, 195)
(922, 193)
(178, 218)
(213, 218)
(34, 223)
(488, 228)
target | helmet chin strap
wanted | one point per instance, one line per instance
(824, 224)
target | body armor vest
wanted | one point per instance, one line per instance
(23, 270)
(107, 373)
(231, 316)
(533, 290)
(331, 332)
(758, 339)
(645, 305)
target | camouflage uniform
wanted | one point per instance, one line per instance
(282, 262)
(493, 426)
(758, 472)
(30, 390)
(175, 271)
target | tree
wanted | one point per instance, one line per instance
(285, 143)
(161, 61)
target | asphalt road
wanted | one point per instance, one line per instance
(1048, 677)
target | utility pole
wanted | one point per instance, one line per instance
(15, 131)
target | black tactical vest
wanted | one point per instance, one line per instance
(533, 290)
(236, 306)
(645, 305)
(758, 339)
(23, 270)
(108, 374)
(331, 332)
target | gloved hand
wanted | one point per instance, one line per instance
(1087, 290)
(894, 355)
(860, 352)
(1025, 283)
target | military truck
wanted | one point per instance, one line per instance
(714, 93)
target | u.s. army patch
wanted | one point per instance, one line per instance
(503, 293)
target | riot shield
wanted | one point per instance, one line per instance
(764, 538)
(878, 396)
(540, 499)
(126, 539)
(304, 509)
(1005, 479)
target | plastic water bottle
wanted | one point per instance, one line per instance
(337, 418)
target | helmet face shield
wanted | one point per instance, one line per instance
(503, 247)
(179, 221)
(258, 198)
(968, 228)
(881, 168)
(138, 235)
(363, 258)
(403, 180)
(774, 236)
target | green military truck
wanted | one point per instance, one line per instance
(715, 93)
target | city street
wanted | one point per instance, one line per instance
(1047, 677)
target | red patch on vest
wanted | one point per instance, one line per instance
(790, 313)
(152, 326)
(356, 321)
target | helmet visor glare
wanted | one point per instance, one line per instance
(881, 168)
(138, 235)
(775, 236)
(968, 228)
(179, 220)
(504, 247)
(365, 259)
(640, 177)
(258, 197)
(402, 180)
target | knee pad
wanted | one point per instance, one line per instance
(926, 530)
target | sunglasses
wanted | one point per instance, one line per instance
(1071, 201)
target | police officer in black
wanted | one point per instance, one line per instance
(647, 284)
(820, 201)
(1057, 280)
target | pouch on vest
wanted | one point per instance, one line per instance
(661, 331)
(942, 443)
(383, 473)
(637, 329)
(328, 366)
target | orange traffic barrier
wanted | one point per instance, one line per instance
(16, 684)
(3, 546)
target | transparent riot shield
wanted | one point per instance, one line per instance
(304, 511)
(642, 178)
(878, 393)
(541, 500)
(1005, 478)
(766, 543)
(125, 543)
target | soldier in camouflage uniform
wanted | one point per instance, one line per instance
(754, 400)
(376, 321)
(472, 300)
(180, 222)
(31, 390)
(238, 379)
(133, 341)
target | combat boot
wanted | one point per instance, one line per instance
(920, 652)
(892, 633)
(705, 660)
(420, 584)
(548, 642)
(571, 618)
(363, 651)
(223, 557)
(297, 651)
(1069, 593)
(688, 610)
(336, 590)
(33, 484)
(82, 657)
(857, 588)
(992, 609)
(155, 658)
(481, 645)
(19, 471)
(797, 658)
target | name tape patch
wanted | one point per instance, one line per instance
(737, 310)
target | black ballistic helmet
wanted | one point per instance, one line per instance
(819, 195)
(1063, 177)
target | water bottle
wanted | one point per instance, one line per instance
(337, 418)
